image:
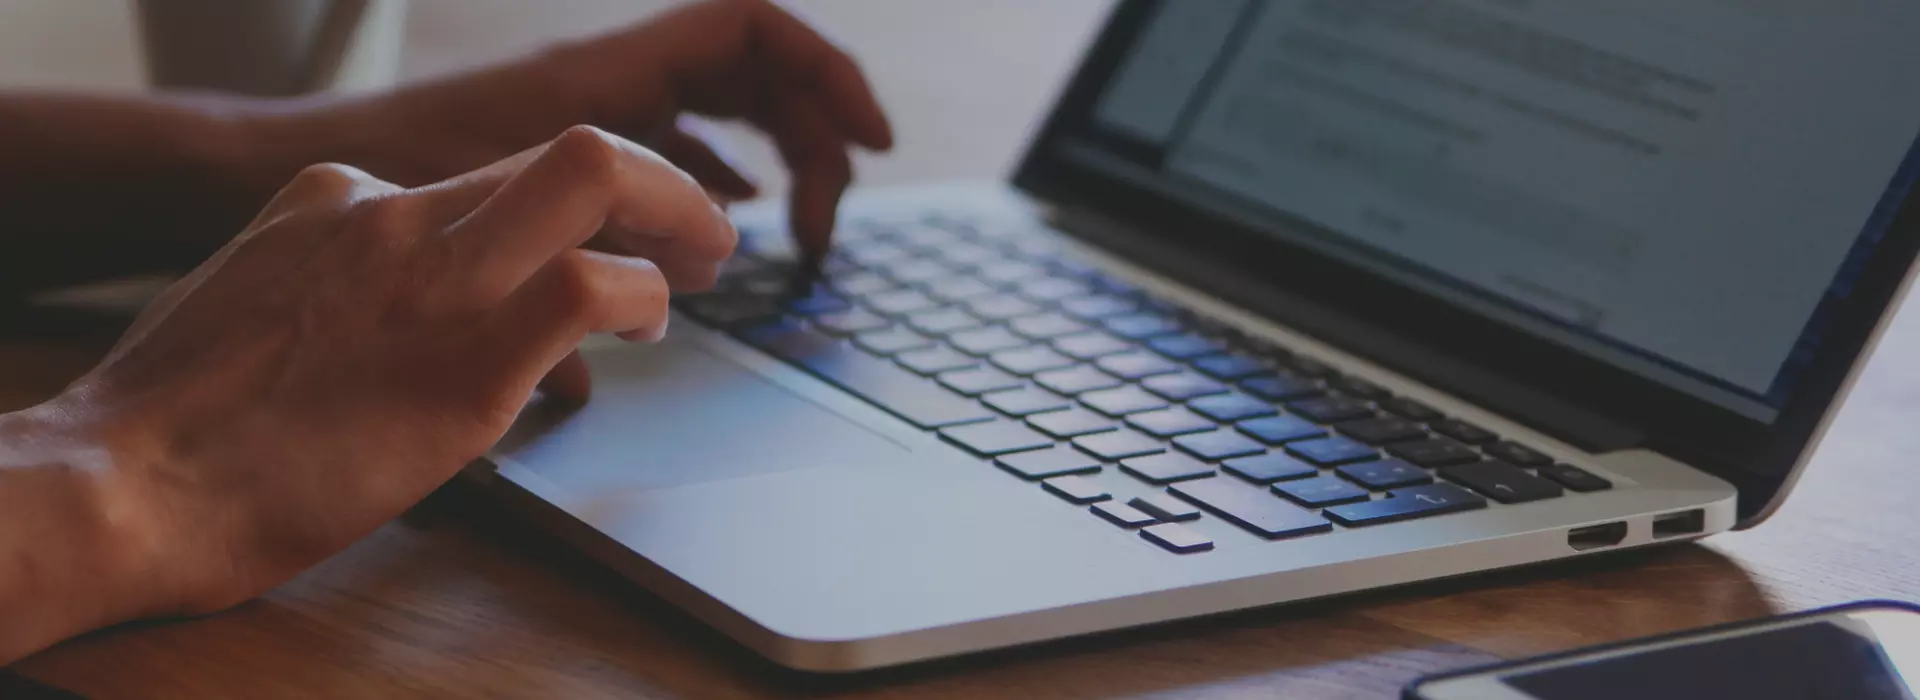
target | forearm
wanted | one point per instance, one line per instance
(101, 186)
(72, 556)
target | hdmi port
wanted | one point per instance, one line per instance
(1596, 536)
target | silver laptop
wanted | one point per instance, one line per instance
(1288, 299)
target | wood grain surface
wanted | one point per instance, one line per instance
(457, 600)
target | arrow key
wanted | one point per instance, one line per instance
(1502, 482)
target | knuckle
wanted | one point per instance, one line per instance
(384, 217)
(576, 284)
(329, 175)
(587, 149)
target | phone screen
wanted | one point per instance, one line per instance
(1869, 655)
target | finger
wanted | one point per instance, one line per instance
(569, 379)
(706, 165)
(748, 45)
(582, 181)
(578, 292)
(816, 153)
(807, 58)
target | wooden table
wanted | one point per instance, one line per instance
(458, 600)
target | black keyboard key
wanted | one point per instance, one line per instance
(1031, 360)
(1218, 445)
(1076, 489)
(918, 401)
(1170, 422)
(1122, 514)
(1046, 326)
(1575, 478)
(1182, 386)
(1268, 468)
(996, 438)
(1409, 409)
(1136, 365)
(1437, 452)
(1281, 429)
(965, 254)
(727, 309)
(1305, 366)
(892, 341)
(1074, 381)
(899, 302)
(1416, 502)
(1333, 409)
(860, 284)
(1229, 408)
(935, 360)
(1025, 402)
(1176, 538)
(1284, 387)
(1385, 474)
(1096, 307)
(1122, 401)
(916, 271)
(1230, 368)
(851, 322)
(1462, 431)
(1001, 307)
(1118, 445)
(1518, 454)
(872, 253)
(1050, 289)
(1005, 272)
(1035, 465)
(1320, 491)
(1165, 507)
(1258, 512)
(979, 380)
(1331, 452)
(1355, 386)
(1140, 326)
(818, 303)
(1166, 468)
(1071, 423)
(1382, 430)
(1185, 346)
(958, 289)
(1502, 482)
(1090, 346)
(942, 321)
(986, 341)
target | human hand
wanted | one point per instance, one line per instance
(359, 343)
(734, 59)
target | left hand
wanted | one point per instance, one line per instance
(736, 59)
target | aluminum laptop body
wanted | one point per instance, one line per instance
(1287, 300)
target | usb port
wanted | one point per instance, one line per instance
(1690, 522)
(1596, 536)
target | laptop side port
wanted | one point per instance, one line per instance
(1596, 536)
(1687, 522)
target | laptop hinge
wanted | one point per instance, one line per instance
(1560, 419)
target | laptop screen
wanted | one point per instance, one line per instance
(1684, 190)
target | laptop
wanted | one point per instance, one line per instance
(1288, 299)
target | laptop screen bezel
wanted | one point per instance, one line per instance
(1755, 455)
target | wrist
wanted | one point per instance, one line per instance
(82, 547)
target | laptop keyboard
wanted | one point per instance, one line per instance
(1053, 371)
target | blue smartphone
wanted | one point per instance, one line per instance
(1859, 651)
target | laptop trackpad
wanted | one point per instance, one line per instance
(674, 413)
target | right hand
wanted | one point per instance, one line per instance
(358, 345)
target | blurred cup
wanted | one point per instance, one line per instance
(259, 47)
